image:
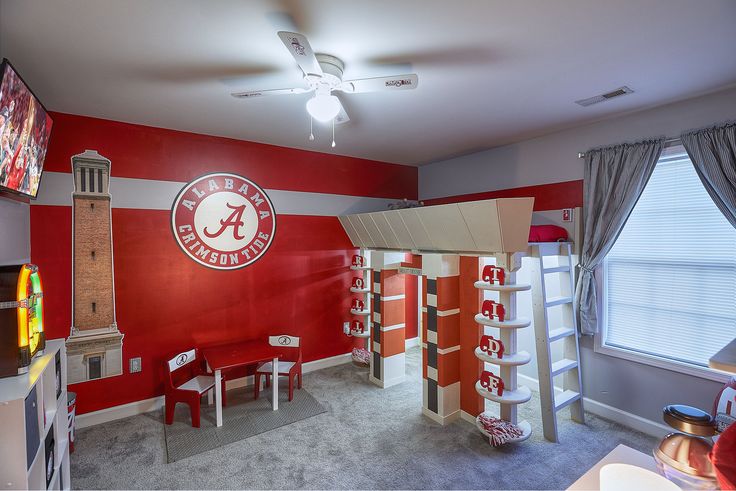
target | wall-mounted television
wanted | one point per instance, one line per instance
(25, 128)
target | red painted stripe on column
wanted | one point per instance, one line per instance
(568, 194)
(411, 303)
(392, 342)
(448, 368)
(448, 288)
(393, 312)
(448, 331)
(392, 283)
(145, 152)
(470, 331)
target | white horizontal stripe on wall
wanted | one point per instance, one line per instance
(143, 194)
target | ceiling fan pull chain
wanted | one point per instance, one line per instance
(311, 134)
(333, 132)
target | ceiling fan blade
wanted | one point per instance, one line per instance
(259, 93)
(398, 82)
(342, 116)
(302, 52)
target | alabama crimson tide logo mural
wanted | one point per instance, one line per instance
(223, 221)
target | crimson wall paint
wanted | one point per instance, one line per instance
(145, 152)
(165, 302)
(553, 196)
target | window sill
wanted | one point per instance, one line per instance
(655, 361)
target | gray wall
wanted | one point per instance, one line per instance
(554, 157)
(632, 387)
(15, 232)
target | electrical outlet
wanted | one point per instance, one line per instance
(567, 215)
(346, 327)
(135, 365)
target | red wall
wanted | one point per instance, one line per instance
(554, 196)
(165, 302)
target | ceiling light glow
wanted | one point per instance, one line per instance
(323, 107)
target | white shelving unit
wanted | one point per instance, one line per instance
(363, 315)
(512, 394)
(34, 448)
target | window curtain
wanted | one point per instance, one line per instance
(713, 153)
(614, 179)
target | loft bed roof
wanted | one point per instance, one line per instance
(474, 227)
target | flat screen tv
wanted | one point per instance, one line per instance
(25, 128)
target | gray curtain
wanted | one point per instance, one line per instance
(614, 179)
(713, 153)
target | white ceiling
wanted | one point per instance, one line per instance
(490, 72)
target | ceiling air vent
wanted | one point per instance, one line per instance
(604, 97)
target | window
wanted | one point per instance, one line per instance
(670, 279)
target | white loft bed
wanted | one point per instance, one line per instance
(497, 228)
(485, 227)
(477, 228)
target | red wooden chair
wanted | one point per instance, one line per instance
(290, 363)
(186, 381)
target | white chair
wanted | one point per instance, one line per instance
(186, 382)
(290, 363)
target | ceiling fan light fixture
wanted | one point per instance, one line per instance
(323, 107)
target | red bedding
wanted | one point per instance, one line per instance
(547, 233)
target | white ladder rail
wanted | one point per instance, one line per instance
(569, 365)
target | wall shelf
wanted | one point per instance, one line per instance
(519, 396)
(518, 323)
(484, 285)
(515, 359)
(504, 343)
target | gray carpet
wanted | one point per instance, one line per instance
(242, 418)
(369, 438)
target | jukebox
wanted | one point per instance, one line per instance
(21, 318)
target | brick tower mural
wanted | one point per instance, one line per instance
(95, 346)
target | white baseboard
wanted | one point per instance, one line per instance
(614, 414)
(465, 416)
(443, 420)
(118, 412)
(410, 343)
(388, 383)
(139, 407)
(652, 428)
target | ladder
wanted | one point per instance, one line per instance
(556, 334)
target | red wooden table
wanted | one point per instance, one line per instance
(232, 355)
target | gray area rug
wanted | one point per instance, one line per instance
(242, 418)
(368, 438)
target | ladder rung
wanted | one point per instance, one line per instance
(563, 365)
(551, 302)
(565, 399)
(560, 333)
(552, 248)
(556, 269)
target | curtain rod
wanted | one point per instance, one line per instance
(667, 143)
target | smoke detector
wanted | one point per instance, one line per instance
(604, 97)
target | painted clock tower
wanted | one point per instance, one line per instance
(95, 346)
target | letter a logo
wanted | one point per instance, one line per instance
(235, 220)
(219, 225)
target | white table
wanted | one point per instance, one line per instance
(619, 455)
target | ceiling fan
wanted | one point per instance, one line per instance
(323, 74)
